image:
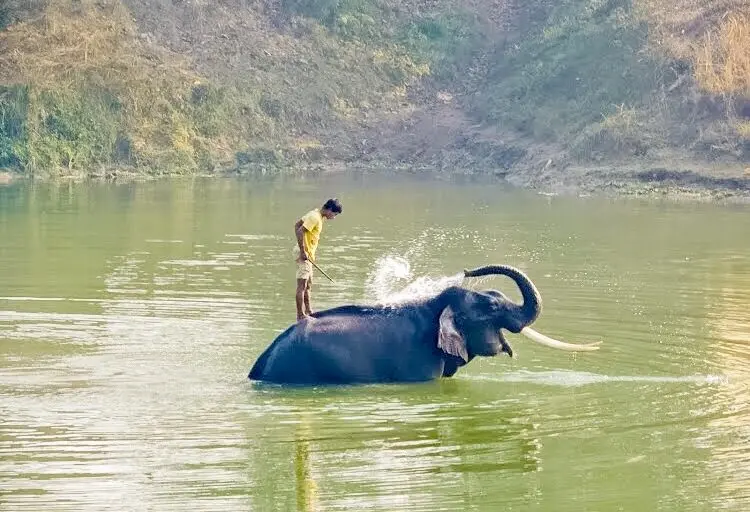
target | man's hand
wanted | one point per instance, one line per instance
(299, 231)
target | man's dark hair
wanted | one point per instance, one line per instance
(333, 205)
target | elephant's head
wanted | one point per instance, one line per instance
(471, 322)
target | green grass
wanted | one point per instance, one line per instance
(74, 129)
(447, 41)
(71, 129)
(441, 40)
(579, 67)
(5, 18)
(363, 20)
(14, 103)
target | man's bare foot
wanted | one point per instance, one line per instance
(300, 317)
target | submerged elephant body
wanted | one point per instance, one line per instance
(355, 344)
(413, 342)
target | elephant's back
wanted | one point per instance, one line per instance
(264, 365)
(259, 367)
(352, 346)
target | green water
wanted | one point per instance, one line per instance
(130, 315)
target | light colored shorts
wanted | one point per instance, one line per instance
(304, 268)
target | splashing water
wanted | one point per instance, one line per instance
(574, 379)
(392, 282)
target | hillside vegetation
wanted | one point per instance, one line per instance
(531, 90)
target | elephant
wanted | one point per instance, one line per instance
(411, 342)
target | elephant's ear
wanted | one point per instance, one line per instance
(449, 339)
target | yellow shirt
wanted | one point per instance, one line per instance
(312, 221)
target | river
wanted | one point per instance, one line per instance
(131, 313)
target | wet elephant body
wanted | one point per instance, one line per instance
(413, 342)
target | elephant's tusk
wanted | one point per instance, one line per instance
(560, 345)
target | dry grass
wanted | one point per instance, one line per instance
(675, 26)
(704, 52)
(307, 88)
(76, 47)
(624, 121)
(68, 41)
(625, 133)
(722, 59)
(713, 36)
(743, 129)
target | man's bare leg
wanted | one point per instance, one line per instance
(308, 310)
(301, 298)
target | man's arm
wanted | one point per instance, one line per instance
(299, 230)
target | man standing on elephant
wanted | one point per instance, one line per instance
(307, 231)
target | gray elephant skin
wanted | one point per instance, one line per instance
(411, 342)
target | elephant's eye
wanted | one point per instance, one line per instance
(492, 305)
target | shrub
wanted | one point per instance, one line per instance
(14, 101)
(446, 41)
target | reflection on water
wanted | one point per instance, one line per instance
(307, 500)
(570, 378)
(729, 327)
(378, 449)
(130, 314)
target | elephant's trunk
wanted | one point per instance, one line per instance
(532, 301)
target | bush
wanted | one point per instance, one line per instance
(70, 129)
(14, 103)
(446, 41)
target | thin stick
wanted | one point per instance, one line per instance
(321, 270)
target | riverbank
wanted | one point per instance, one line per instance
(683, 181)
(576, 96)
(573, 96)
